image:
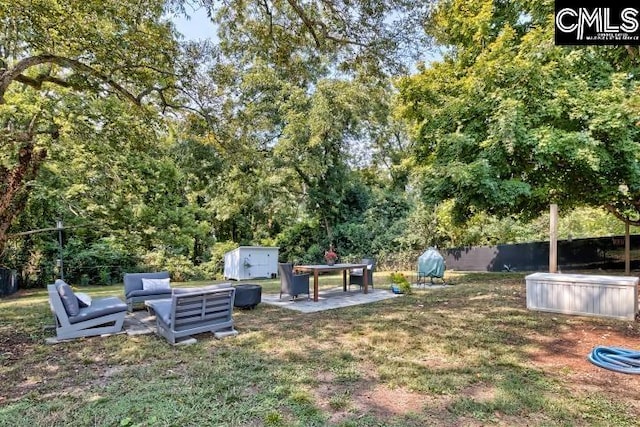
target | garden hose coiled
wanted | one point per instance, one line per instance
(616, 359)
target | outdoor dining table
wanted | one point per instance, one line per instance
(316, 269)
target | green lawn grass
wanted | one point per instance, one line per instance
(455, 356)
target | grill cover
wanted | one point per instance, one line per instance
(431, 264)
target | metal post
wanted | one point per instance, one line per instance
(60, 227)
(627, 249)
(553, 238)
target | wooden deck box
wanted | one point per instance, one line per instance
(582, 294)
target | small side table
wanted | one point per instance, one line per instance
(248, 296)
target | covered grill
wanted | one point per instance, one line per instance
(430, 264)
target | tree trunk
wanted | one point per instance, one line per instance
(329, 231)
(14, 194)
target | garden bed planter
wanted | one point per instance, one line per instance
(581, 294)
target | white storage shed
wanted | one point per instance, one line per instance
(250, 262)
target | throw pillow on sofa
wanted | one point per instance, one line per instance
(84, 300)
(155, 284)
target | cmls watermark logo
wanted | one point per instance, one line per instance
(587, 23)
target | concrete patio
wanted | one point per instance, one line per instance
(328, 299)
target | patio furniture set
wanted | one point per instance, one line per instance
(179, 312)
(182, 312)
(296, 279)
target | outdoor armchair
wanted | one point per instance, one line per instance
(74, 319)
(292, 284)
(356, 274)
(191, 311)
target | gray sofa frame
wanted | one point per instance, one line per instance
(103, 316)
(134, 293)
(193, 311)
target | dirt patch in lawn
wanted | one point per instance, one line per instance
(384, 401)
(565, 356)
(562, 356)
(363, 397)
(14, 345)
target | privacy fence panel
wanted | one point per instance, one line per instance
(606, 253)
(8, 282)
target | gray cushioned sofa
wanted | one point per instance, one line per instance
(195, 310)
(134, 292)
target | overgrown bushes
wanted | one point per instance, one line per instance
(395, 243)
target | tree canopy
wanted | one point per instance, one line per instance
(292, 128)
(507, 122)
(112, 123)
(57, 61)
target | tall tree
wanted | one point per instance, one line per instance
(507, 122)
(309, 36)
(304, 95)
(54, 51)
(61, 62)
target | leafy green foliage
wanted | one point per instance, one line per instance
(57, 86)
(101, 262)
(298, 242)
(401, 281)
(283, 133)
(307, 38)
(507, 123)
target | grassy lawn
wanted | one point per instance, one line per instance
(467, 355)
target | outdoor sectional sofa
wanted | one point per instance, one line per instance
(134, 291)
(191, 311)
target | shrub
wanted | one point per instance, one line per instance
(101, 262)
(180, 267)
(296, 242)
(401, 282)
(213, 268)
